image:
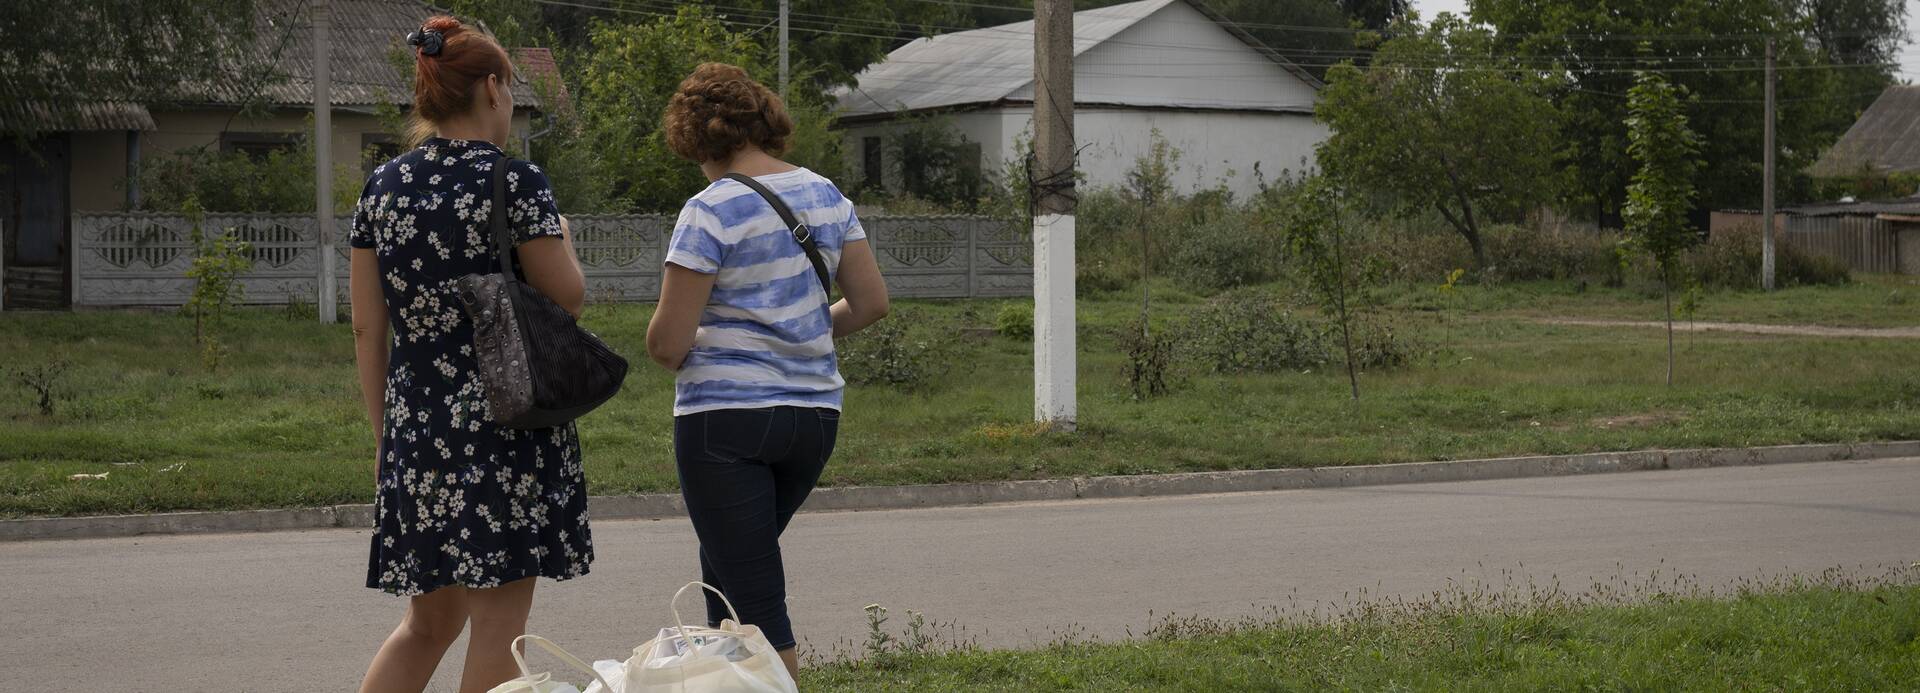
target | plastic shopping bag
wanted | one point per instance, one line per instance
(691, 659)
(528, 682)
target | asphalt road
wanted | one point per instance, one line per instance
(286, 612)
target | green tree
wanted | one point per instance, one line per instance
(1471, 144)
(1662, 192)
(632, 72)
(1832, 55)
(1313, 220)
(56, 57)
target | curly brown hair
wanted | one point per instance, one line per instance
(719, 109)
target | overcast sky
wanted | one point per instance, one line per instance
(1910, 55)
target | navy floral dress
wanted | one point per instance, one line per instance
(461, 501)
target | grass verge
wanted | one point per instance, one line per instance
(1828, 633)
(281, 425)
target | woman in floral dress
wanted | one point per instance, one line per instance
(468, 512)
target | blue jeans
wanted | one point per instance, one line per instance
(743, 473)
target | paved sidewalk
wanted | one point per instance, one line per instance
(285, 612)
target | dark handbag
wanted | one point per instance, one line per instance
(539, 367)
(801, 233)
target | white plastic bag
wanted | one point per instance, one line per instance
(691, 659)
(528, 682)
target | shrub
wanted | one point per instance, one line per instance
(1150, 360)
(1225, 252)
(888, 354)
(43, 382)
(1015, 321)
(1377, 346)
(1250, 332)
(1731, 260)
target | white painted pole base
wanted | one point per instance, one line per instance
(1054, 374)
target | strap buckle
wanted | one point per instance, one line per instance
(802, 233)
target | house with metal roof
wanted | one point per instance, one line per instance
(1237, 111)
(1886, 138)
(87, 157)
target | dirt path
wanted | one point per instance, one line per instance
(1750, 328)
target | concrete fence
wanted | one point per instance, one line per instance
(141, 259)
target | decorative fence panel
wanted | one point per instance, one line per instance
(141, 259)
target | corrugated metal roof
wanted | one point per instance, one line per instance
(986, 65)
(73, 117)
(365, 39)
(1886, 138)
(1909, 205)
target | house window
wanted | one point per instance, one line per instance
(870, 149)
(377, 148)
(256, 145)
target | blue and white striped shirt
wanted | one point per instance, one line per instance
(766, 337)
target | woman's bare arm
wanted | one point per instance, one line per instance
(549, 264)
(863, 292)
(370, 335)
(683, 297)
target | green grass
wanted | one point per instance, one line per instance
(1829, 634)
(1869, 301)
(282, 424)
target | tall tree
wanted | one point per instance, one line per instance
(56, 57)
(1376, 14)
(1666, 151)
(1714, 48)
(632, 71)
(1430, 127)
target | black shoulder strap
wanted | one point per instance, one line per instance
(801, 234)
(502, 241)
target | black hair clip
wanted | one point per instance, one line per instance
(428, 41)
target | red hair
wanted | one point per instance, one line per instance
(444, 83)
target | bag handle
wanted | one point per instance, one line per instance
(554, 650)
(502, 240)
(679, 624)
(802, 234)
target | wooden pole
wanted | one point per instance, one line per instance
(1766, 184)
(323, 158)
(1054, 375)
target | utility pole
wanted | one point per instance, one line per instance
(1052, 172)
(784, 5)
(1766, 185)
(323, 157)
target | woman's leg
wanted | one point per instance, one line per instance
(814, 434)
(730, 495)
(407, 659)
(499, 615)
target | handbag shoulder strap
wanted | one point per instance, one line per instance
(502, 240)
(801, 234)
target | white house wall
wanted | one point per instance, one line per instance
(1232, 149)
(1237, 150)
(1178, 57)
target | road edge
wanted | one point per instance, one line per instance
(666, 505)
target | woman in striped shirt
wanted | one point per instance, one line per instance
(746, 323)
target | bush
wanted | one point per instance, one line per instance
(1377, 346)
(1732, 260)
(1150, 360)
(1424, 253)
(1015, 321)
(1229, 251)
(1249, 332)
(888, 354)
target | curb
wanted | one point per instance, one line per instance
(665, 505)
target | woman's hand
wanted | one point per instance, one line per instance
(683, 297)
(864, 291)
